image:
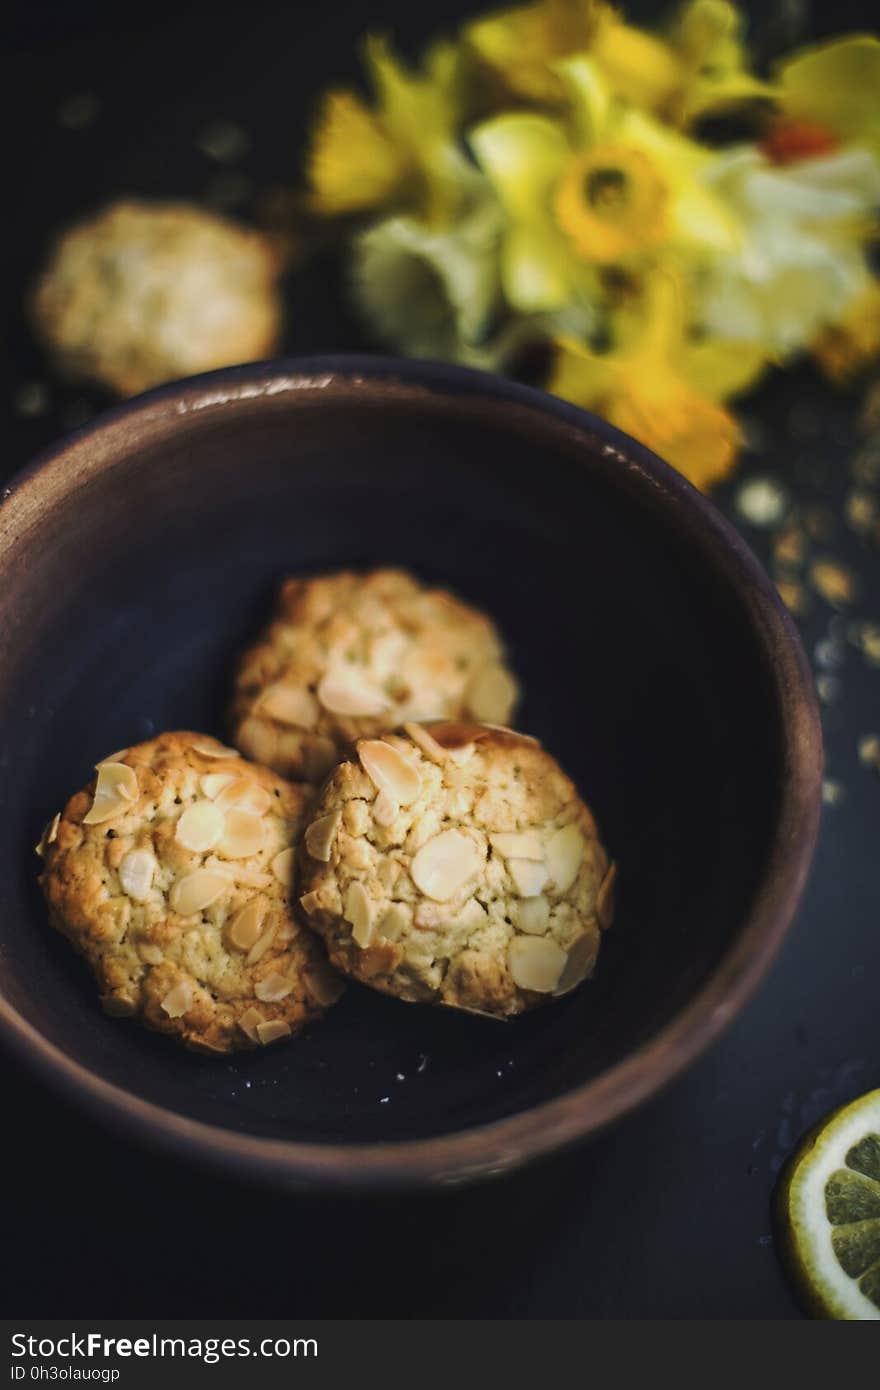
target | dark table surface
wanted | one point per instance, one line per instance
(668, 1215)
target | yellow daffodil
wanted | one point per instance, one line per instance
(523, 46)
(707, 37)
(801, 261)
(662, 387)
(610, 186)
(834, 87)
(400, 153)
(852, 342)
(698, 65)
(435, 292)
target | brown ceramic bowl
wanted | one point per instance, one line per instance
(139, 555)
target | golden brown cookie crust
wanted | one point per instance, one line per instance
(172, 873)
(456, 864)
(147, 292)
(349, 655)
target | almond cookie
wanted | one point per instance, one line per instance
(147, 292)
(172, 874)
(456, 864)
(352, 655)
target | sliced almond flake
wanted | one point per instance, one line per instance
(273, 1030)
(523, 844)
(105, 808)
(258, 739)
(325, 985)
(385, 810)
(471, 915)
(290, 704)
(116, 788)
(529, 878)
(359, 912)
(605, 899)
(260, 947)
(250, 1022)
(443, 866)
(242, 873)
(212, 783)
(565, 854)
(344, 692)
(196, 891)
(282, 866)
(200, 827)
(151, 954)
(581, 959)
(49, 835)
(390, 771)
(492, 694)
(536, 963)
(112, 758)
(404, 748)
(455, 734)
(321, 834)
(178, 999)
(531, 915)
(310, 902)
(243, 794)
(243, 929)
(208, 748)
(428, 745)
(274, 987)
(244, 835)
(114, 1007)
(136, 874)
(393, 922)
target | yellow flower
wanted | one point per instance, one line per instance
(853, 341)
(835, 85)
(699, 65)
(612, 185)
(707, 37)
(435, 292)
(612, 203)
(802, 256)
(523, 45)
(662, 387)
(402, 152)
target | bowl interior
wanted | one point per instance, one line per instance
(130, 588)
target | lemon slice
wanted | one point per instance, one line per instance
(829, 1213)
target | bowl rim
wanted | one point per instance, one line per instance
(500, 1145)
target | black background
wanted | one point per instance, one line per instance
(667, 1215)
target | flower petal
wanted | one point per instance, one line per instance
(523, 157)
(352, 163)
(836, 84)
(639, 67)
(536, 270)
(431, 292)
(585, 378)
(719, 370)
(522, 44)
(589, 96)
